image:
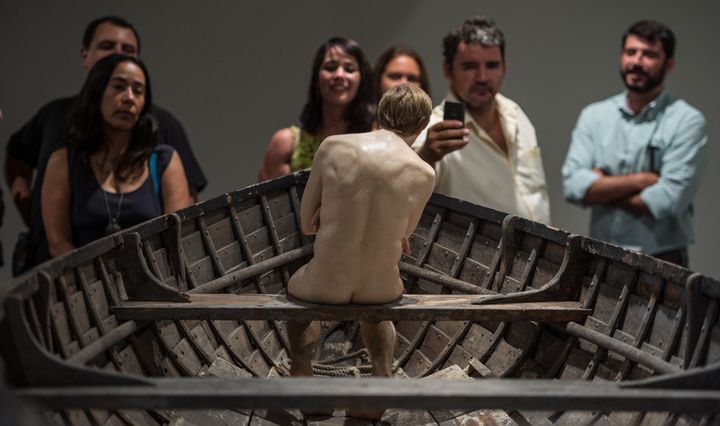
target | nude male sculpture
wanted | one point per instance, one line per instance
(364, 198)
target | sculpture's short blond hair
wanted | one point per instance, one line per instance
(405, 109)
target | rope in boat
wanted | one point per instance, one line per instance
(346, 372)
(362, 354)
(364, 369)
(325, 368)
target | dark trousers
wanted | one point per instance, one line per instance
(678, 257)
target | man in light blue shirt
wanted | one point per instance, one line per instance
(637, 158)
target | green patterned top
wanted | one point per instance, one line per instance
(304, 147)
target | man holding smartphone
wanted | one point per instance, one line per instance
(487, 154)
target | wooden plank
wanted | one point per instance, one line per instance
(220, 231)
(270, 220)
(628, 351)
(202, 270)
(644, 326)
(483, 249)
(279, 203)
(285, 226)
(233, 337)
(61, 329)
(295, 204)
(250, 217)
(259, 240)
(442, 258)
(231, 257)
(193, 247)
(432, 394)
(613, 323)
(409, 307)
(451, 235)
(210, 247)
(459, 329)
(451, 373)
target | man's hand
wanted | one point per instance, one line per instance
(634, 204)
(443, 138)
(640, 180)
(645, 179)
(598, 171)
(609, 188)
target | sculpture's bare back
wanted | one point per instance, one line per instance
(363, 199)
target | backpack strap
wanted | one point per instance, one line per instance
(155, 175)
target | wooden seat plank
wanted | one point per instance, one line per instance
(413, 307)
(372, 392)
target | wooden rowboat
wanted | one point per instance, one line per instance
(181, 320)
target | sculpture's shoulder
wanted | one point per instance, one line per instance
(413, 173)
(354, 147)
(377, 153)
(338, 155)
(424, 173)
(354, 141)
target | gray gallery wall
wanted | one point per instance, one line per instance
(234, 71)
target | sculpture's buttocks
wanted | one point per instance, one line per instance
(364, 197)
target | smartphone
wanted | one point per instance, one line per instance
(454, 111)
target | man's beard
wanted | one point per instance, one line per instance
(650, 83)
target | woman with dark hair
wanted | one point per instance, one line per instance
(340, 100)
(400, 64)
(112, 174)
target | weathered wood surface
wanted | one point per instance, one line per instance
(324, 393)
(409, 307)
(621, 348)
(253, 270)
(647, 319)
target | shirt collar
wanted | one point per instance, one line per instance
(648, 113)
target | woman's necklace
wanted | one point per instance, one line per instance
(113, 226)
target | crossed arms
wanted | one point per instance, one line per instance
(663, 194)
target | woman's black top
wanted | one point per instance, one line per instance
(89, 213)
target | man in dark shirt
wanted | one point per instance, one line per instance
(29, 148)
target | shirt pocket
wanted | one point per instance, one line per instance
(653, 155)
